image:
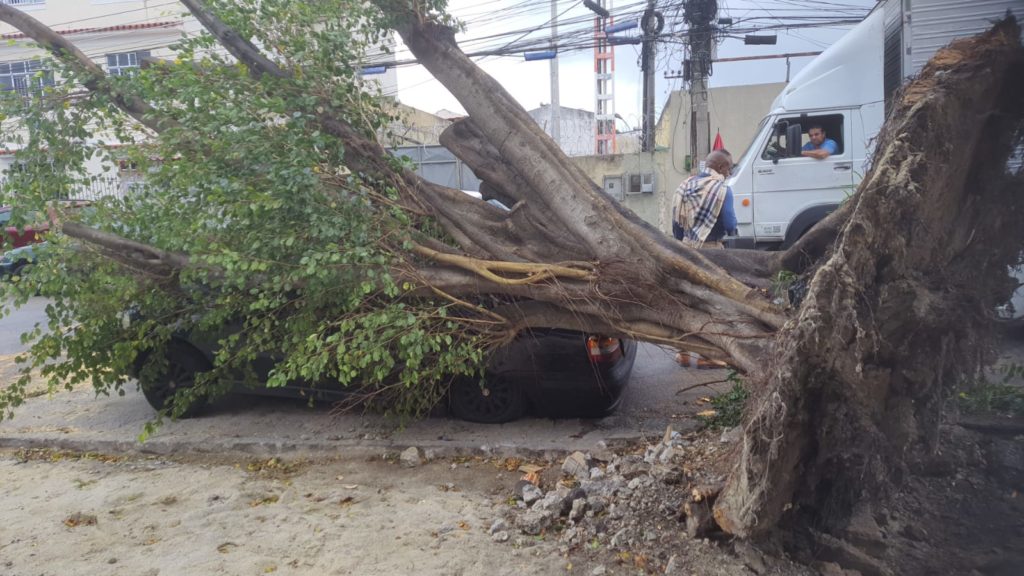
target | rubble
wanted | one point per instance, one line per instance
(649, 507)
(578, 465)
(411, 457)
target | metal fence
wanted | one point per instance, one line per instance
(434, 163)
(437, 164)
(108, 187)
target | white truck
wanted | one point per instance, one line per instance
(779, 194)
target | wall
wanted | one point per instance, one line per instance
(140, 25)
(735, 112)
(73, 14)
(576, 136)
(437, 164)
(654, 207)
(416, 127)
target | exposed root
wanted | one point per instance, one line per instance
(490, 269)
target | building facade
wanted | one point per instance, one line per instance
(117, 35)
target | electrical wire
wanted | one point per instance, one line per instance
(576, 33)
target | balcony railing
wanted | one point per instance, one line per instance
(104, 187)
(23, 2)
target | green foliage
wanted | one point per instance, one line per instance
(728, 407)
(781, 283)
(1005, 398)
(292, 252)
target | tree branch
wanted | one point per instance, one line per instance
(133, 254)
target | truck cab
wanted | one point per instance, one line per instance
(780, 194)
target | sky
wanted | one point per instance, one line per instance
(496, 23)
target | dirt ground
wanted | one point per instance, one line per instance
(88, 514)
(65, 513)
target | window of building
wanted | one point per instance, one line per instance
(125, 63)
(28, 77)
(23, 2)
(127, 169)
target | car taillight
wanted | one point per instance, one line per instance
(602, 349)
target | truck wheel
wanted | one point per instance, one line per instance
(806, 220)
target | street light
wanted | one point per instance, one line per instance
(755, 39)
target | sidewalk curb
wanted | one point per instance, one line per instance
(280, 447)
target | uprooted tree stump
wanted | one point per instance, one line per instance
(898, 310)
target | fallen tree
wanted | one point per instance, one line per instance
(849, 382)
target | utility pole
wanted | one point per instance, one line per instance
(650, 24)
(700, 14)
(556, 113)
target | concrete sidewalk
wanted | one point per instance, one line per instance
(80, 421)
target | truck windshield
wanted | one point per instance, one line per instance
(753, 145)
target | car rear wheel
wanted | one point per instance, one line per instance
(19, 268)
(184, 363)
(498, 400)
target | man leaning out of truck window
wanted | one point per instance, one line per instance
(703, 213)
(819, 147)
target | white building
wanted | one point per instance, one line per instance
(117, 32)
(576, 128)
(117, 35)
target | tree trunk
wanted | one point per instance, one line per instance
(900, 309)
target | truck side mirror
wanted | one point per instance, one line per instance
(793, 137)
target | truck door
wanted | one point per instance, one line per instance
(797, 191)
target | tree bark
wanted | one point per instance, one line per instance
(900, 309)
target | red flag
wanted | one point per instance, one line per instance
(718, 142)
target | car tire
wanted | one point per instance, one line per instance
(499, 400)
(19, 268)
(184, 363)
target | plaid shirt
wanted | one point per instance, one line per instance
(699, 201)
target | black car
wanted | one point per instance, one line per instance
(13, 262)
(554, 373)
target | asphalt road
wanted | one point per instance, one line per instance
(82, 420)
(18, 322)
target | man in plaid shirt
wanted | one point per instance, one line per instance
(703, 212)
